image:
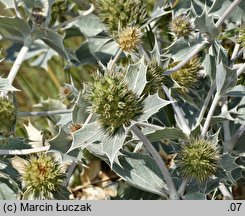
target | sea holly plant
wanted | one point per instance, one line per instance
(128, 97)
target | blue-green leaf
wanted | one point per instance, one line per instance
(152, 104)
(6, 86)
(136, 77)
(237, 91)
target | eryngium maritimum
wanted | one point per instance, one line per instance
(128, 38)
(181, 26)
(121, 13)
(199, 160)
(42, 176)
(7, 115)
(114, 103)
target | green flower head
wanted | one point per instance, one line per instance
(42, 176)
(241, 38)
(114, 103)
(181, 26)
(199, 160)
(121, 13)
(187, 76)
(7, 115)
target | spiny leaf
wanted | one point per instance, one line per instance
(226, 78)
(14, 27)
(153, 103)
(112, 145)
(141, 171)
(136, 77)
(236, 91)
(6, 86)
(86, 135)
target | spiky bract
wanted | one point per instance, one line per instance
(114, 103)
(154, 77)
(181, 26)
(187, 76)
(128, 38)
(7, 115)
(42, 176)
(121, 13)
(199, 160)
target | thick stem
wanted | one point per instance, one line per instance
(15, 68)
(69, 173)
(241, 70)
(179, 113)
(226, 126)
(182, 187)
(205, 104)
(227, 13)
(226, 193)
(209, 116)
(44, 113)
(112, 63)
(24, 151)
(173, 194)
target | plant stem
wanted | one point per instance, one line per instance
(209, 116)
(226, 126)
(24, 151)
(181, 190)
(173, 194)
(85, 13)
(15, 68)
(202, 45)
(205, 104)
(187, 59)
(156, 127)
(227, 13)
(178, 112)
(230, 144)
(226, 193)
(112, 63)
(69, 173)
(44, 113)
(241, 70)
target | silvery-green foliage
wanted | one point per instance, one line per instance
(174, 116)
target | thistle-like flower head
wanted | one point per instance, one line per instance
(7, 115)
(121, 13)
(42, 176)
(187, 76)
(199, 160)
(114, 103)
(128, 38)
(154, 77)
(181, 26)
(241, 38)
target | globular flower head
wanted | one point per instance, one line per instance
(7, 115)
(128, 38)
(187, 76)
(114, 103)
(154, 78)
(241, 38)
(199, 160)
(181, 26)
(121, 13)
(42, 176)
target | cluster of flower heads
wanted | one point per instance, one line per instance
(42, 176)
(199, 160)
(114, 103)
